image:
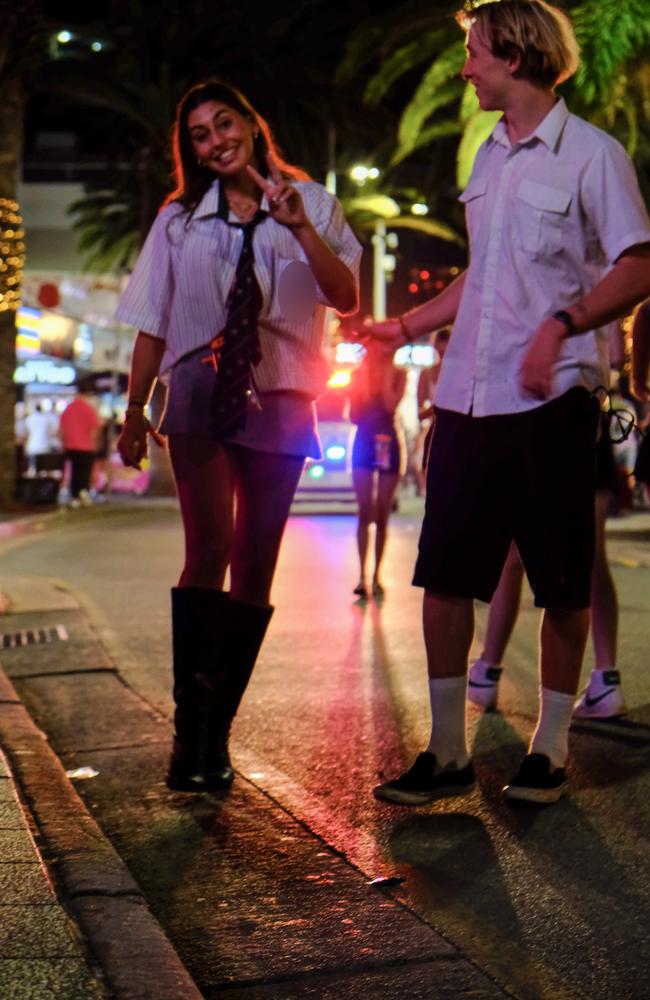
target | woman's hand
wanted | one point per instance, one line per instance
(285, 202)
(132, 442)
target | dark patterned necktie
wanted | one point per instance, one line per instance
(237, 346)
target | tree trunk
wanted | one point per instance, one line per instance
(11, 131)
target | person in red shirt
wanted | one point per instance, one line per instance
(79, 428)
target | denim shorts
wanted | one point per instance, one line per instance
(282, 422)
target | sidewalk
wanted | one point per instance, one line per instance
(73, 923)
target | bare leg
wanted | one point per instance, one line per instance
(448, 624)
(205, 485)
(386, 486)
(363, 487)
(604, 601)
(563, 639)
(504, 609)
(266, 484)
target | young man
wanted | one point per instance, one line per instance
(559, 239)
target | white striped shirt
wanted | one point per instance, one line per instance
(179, 287)
(547, 217)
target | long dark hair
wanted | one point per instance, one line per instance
(193, 180)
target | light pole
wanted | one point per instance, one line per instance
(382, 263)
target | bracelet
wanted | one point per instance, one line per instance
(405, 330)
(134, 410)
(133, 403)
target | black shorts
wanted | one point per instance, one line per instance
(527, 477)
(364, 454)
(606, 473)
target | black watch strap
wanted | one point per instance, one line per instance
(562, 316)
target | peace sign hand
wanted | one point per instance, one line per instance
(285, 202)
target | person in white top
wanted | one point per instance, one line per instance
(559, 247)
(41, 430)
(229, 296)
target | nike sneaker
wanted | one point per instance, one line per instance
(483, 684)
(425, 781)
(537, 781)
(602, 698)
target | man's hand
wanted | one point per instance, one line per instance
(536, 372)
(388, 332)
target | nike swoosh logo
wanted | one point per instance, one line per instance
(590, 702)
(475, 684)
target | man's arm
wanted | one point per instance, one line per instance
(431, 315)
(620, 290)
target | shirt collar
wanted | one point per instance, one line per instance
(548, 131)
(213, 202)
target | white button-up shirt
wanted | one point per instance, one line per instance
(178, 290)
(546, 217)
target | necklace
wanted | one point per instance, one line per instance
(244, 209)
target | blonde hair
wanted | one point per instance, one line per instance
(540, 34)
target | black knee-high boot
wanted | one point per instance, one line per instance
(245, 631)
(199, 617)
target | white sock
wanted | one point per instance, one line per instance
(551, 736)
(448, 697)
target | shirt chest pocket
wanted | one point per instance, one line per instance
(541, 218)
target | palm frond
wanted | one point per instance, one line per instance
(430, 227)
(426, 98)
(477, 129)
(610, 35)
(404, 60)
(438, 130)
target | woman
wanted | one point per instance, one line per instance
(377, 388)
(229, 295)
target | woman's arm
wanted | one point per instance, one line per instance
(286, 207)
(145, 365)
(333, 276)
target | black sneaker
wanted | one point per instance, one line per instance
(424, 781)
(536, 782)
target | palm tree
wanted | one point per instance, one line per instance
(21, 45)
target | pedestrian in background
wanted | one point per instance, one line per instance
(41, 430)
(230, 295)
(559, 246)
(79, 427)
(376, 390)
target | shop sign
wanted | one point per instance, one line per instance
(44, 372)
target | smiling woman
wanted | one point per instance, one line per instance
(230, 295)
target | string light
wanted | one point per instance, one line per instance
(12, 254)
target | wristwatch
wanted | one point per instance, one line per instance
(562, 316)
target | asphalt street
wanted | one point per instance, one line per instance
(272, 891)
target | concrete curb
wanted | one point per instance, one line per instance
(137, 959)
